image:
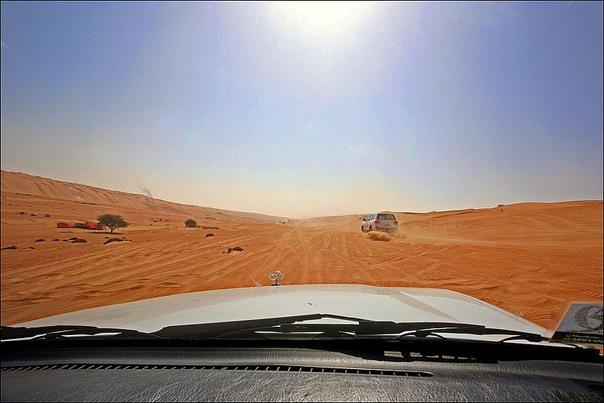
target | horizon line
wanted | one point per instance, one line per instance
(292, 218)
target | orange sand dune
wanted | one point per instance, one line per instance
(530, 259)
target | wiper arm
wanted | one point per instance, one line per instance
(362, 329)
(206, 331)
(473, 329)
(197, 331)
(61, 332)
(402, 330)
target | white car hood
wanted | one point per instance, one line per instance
(360, 301)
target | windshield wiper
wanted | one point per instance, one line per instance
(362, 329)
(281, 326)
(195, 331)
(205, 331)
(62, 332)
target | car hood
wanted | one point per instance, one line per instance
(361, 301)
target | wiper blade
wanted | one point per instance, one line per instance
(400, 330)
(477, 330)
(196, 331)
(270, 327)
(61, 332)
(206, 331)
(362, 329)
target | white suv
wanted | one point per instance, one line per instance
(382, 221)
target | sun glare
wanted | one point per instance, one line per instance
(322, 20)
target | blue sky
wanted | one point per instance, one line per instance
(303, 110)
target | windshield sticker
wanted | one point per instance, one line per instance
(581, 324)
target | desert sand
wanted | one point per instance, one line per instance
(530, 258)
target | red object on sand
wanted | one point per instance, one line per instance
(87, 225)
(94, 226)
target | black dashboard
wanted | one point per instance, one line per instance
(284, 374)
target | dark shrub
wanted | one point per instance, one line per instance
(114, 240)
(233, 249)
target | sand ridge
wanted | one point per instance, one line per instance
(530, 258)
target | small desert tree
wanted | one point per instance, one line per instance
(112, 221)
(190, 223)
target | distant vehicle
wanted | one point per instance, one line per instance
(383, 221)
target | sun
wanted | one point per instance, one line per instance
(322, 20)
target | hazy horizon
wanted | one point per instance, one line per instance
(300, 111)
(318, 216)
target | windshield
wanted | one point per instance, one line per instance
(216, 162)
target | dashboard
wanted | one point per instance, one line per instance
(284, 374)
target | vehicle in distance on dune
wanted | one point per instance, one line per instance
(382, 221)
(375, 343)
